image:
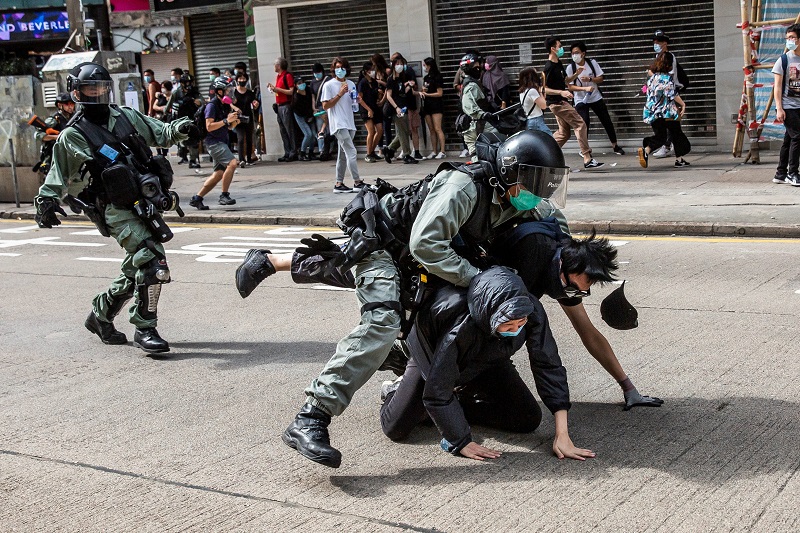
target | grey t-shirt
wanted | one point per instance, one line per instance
(791, 93)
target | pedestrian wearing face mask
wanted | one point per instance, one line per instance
(175, 78)
(496, 83)
(213, 74)
(303, 113)
(324, 138)
(787, 105)
(371, 112)
(558, 96)
(661, 44)
(587, 93)
(245, 101)
(399, 94)
(152, 88)
(432, 91)
(340, 99)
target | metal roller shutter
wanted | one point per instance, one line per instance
(355, 30)
(218, 40)
(618, 35)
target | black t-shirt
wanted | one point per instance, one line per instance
(399, 95)
(430, 84)
(316, 85)
(244, 101)
(554, 76)
(368, 89)
(301, 103)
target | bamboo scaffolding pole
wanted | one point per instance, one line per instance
(738, 140)
(782, 22)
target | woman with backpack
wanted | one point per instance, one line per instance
(663, 110)
(533, 102)
(303, 110)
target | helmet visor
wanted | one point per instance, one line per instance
(545, 182)
(94, 92)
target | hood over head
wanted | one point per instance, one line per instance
(498, 295)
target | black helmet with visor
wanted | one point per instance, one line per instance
(90, 84)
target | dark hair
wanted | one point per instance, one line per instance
(380, 63)
(596, 257)
(345, 65)
(663, 63)
(178, 70)
(242, 75)
(395, 56)
(282, 63)
(148, 70)
(399, 59)
(431, 62)
(317, 68)
(794, 28)
(580, 45)
(167, 84)
(240, 64)
(550, 42)
(214, 69)
(529, 78)
(366, 67)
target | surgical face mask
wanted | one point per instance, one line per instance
(524, 201)
(174, 79)
(212, 77)
(576, 58)
(340, 72)
(791, 45)
(372, 73)
(487, 66)
(657, 48)
(510, 333)
(301, 86)
(318, 75)
(399, 68)
(148, 79)
(235, 72)
(560, 52)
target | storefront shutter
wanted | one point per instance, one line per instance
(618, 34)
(355, 30)
(218, 40)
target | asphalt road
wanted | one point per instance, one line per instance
(96, 437)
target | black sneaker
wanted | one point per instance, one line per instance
(793, 179)
(182, 160)
(341, 187)
(225, 199)
(358, 186)
(681, 163)
(643, 157)
(194, 164)
(779, 177)
(255, 268)
(593, 163)
(197, 201)
(242, 164)
(388, 154)
(618, 150)
(418, 155)
(408, 160)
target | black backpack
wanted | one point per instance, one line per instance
(200, 120)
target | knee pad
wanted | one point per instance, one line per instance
(156, 272)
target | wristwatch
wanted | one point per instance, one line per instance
(225, 121)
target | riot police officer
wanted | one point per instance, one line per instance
(473, 101)
(55, 124)
(103, 166)
(416, 232)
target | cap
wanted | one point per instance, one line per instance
(617, 311)
(63, 98)
(660, 37)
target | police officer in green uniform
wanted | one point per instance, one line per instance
(103, 166)
(421, 225)
(473, 101)
(54, 125)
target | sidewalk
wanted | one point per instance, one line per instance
(717, 195)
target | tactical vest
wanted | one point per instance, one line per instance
(402, 213)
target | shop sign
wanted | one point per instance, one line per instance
(193, 6)
(33, 25)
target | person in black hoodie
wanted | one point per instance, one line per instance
(461, 371)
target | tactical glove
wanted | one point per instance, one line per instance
(319, 245)
(188, 128)
(46, 209)
(634, 399)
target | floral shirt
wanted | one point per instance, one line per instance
(660, 99)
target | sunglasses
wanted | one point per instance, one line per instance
(574, 292)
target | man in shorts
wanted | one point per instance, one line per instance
(219, 119)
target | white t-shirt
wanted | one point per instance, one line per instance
(340, 116)
(528, 100)
(791, 93)
(584, 97)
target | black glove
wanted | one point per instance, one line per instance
(634, 399)
(319, 245)
(188, 128)
(46, 209)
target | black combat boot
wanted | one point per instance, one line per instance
(255, 269)
(150, 341)
(105, 330)
(308, 434)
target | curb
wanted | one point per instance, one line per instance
(694, 229)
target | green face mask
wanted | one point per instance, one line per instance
(524, 201)
(560, 52)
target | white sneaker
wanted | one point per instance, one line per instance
(440, 155)
(671, 151)
(464, 153)
(431, 155)
(661, 153)
(387, 387)
(400, 156)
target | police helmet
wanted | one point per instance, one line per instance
(90, 84)
(187, 80)
(471, 64)
(533, 160)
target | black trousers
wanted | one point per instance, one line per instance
(244, 141)
(601, 111)
(661, 127)
(790, 149)
(498, 398)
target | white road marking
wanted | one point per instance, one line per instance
(21, 229)
(797, 291)
(329, 288)
(9, 255)
(624, 262)
(290, 230)
(48, 241)
(95, 233)
(618, 243)
(263, 239)
(101, 259)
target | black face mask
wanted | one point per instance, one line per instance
(241, 83)
(97, 113)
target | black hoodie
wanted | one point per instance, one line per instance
(455, 339)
